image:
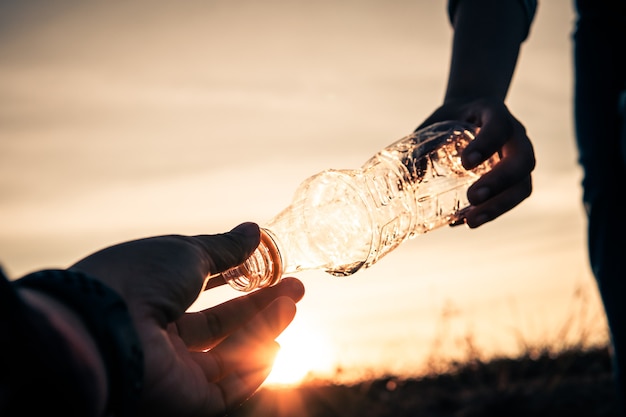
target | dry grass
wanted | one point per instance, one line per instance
(575, 383)
(567, 374)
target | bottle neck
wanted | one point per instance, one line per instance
(263, 268)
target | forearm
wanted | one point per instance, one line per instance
(88, 369)
(68, 344)
(487, 39)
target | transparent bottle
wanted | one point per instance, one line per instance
(344, 220)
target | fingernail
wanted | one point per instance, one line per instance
(247, 229)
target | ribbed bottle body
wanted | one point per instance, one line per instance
(344, 220)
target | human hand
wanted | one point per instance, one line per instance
(509, 182)
(203, 363)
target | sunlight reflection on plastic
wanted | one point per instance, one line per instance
(344, 220)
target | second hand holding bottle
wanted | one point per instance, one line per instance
(344, 220)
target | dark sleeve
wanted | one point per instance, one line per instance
(36, 377)
(530, 7)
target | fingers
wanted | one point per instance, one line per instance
(239, 386)
(229, 249)
(170, 270)
(236, 387)
(242, 361)
(499, 132)
(247, 347)
(203, 329)
(498, 205)
(509, 182)
(511, 175)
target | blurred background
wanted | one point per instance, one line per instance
(121, 120)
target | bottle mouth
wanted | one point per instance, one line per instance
(263, 268)
(275, 264)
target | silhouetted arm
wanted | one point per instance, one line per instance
(488, 35)
(487, 39)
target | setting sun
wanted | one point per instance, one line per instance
(304, 350)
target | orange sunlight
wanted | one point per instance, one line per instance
(304, 351)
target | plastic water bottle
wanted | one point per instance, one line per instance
(344, 220)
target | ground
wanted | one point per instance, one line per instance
(572, 383)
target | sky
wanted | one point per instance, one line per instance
(121, 120)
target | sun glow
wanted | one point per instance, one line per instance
(303, 351)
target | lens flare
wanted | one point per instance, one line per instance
(305, 352)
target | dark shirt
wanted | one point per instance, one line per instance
(35, 362)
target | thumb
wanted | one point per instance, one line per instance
(227, 250)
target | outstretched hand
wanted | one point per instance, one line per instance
(203, 363)
(509, 182)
